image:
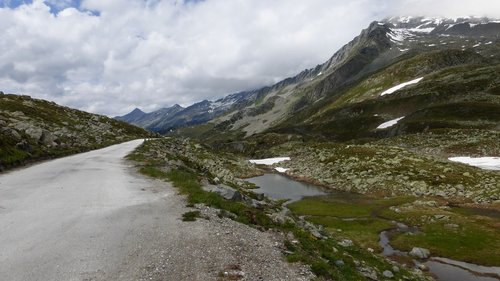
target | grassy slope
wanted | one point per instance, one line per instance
(69, 130)
(460, 90)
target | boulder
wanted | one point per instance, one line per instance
(24, 145)
(47, 138)
(420, 253)
(12, 133)
(339, 263)
(388, 274)
(225, 191)
(34, 132)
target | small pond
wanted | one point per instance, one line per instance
(279, 187)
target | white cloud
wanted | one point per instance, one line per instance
(152, 53)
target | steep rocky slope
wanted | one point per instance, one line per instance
(340, 98)
(33, 129)
(385, 54)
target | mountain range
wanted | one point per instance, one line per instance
(455, 60)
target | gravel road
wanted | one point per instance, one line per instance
(92, 217)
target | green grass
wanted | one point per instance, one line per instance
(190, 216)
(318, 207)
(363, 226)
(187, 183)
(475, 239)
(471, 242)
(365, 232)
(320, 254)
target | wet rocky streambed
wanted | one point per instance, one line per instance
(281, 187)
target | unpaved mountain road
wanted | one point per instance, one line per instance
(92, 217)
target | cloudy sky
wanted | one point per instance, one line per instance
(110, 56)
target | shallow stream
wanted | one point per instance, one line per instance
(280, 187)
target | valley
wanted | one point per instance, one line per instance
(376, 128)
(382, 163)
(455, 223)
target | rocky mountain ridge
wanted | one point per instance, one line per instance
(380, 45)
(167, 119)
(386, 54)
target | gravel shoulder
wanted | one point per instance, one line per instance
(92, 217)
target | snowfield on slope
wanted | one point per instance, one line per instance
(389, 123)
(269, 161)
(400, 86)
(281, 169)
(486, 163)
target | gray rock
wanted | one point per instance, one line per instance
(422, 267)
(225, 191)
(339, 263)
(346, 243)
(420, 253)
(369, 273)
(24, 145)
(441, 217)
(451, 226)
(47, 138)
(388, 274)
(34, 132)
(12, 133)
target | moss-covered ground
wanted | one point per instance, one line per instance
(322, 254)
(456, 233)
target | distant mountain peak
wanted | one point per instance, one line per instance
(136, 110)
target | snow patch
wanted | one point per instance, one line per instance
(269, 161)
(486, 163)
(421, 30)
(221, 104)
(319, 74)
(397, 35)
(389, 123)
(281, 169)
(400, 86)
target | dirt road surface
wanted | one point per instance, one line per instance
(92, 217)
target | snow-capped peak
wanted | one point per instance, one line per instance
(403, 28)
